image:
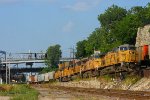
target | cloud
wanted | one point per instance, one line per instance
(9, 1)
(68, 27)
(45, 1)
(83, 5)
(79, 6)
(25, 1)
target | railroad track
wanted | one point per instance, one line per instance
(127, 94)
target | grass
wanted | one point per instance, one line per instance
(106, 78)
(77, 79)
(19, 92)
(129, 80)
(149, 30)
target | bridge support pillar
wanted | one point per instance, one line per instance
(30, 64)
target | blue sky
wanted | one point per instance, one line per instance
(36, 24)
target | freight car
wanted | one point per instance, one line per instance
(124, 58)
(41, 78)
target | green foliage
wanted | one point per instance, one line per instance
(111, 15)
(118, 26)
(53, 55)
(49, 69)
(24, 92)
(126, 29)
(93, 42)
(106, 78)
(81, 52)
(20, 92)
(130, 80)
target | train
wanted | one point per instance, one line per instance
(124, 58)
(40, 78)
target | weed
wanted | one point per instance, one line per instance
(129, 80)
(106, 78)
(19, 92)
(149, 30)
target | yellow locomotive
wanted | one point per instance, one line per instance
(119, 59)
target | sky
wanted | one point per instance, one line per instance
(37, 24)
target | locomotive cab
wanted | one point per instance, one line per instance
(127, 53)
(126, 47)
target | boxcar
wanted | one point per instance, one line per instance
(36, 78)
(51, 75)
(46, 77)
(31, 78)
(41, 78)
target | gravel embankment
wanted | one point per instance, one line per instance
(141, 85)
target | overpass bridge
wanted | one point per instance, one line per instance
(22, 61)
(22, 70)
(9, 60)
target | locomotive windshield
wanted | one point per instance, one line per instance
(123, 48)
(131, 48)
(126, 47)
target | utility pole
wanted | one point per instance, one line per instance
(6, 66)
(9, 72)
(72, 51)
(17, 73)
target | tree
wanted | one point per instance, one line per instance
(118, 26)
(125, 30)
(53, 55)
(94, 41)
(48, 69)
(111, 15)
(108, 20)
(80, 47)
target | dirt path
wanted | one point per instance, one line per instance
(72, 93)
(113, 94)
(4, 98)
(60, 94)
(51, 94)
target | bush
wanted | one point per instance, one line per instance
(48, 69)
